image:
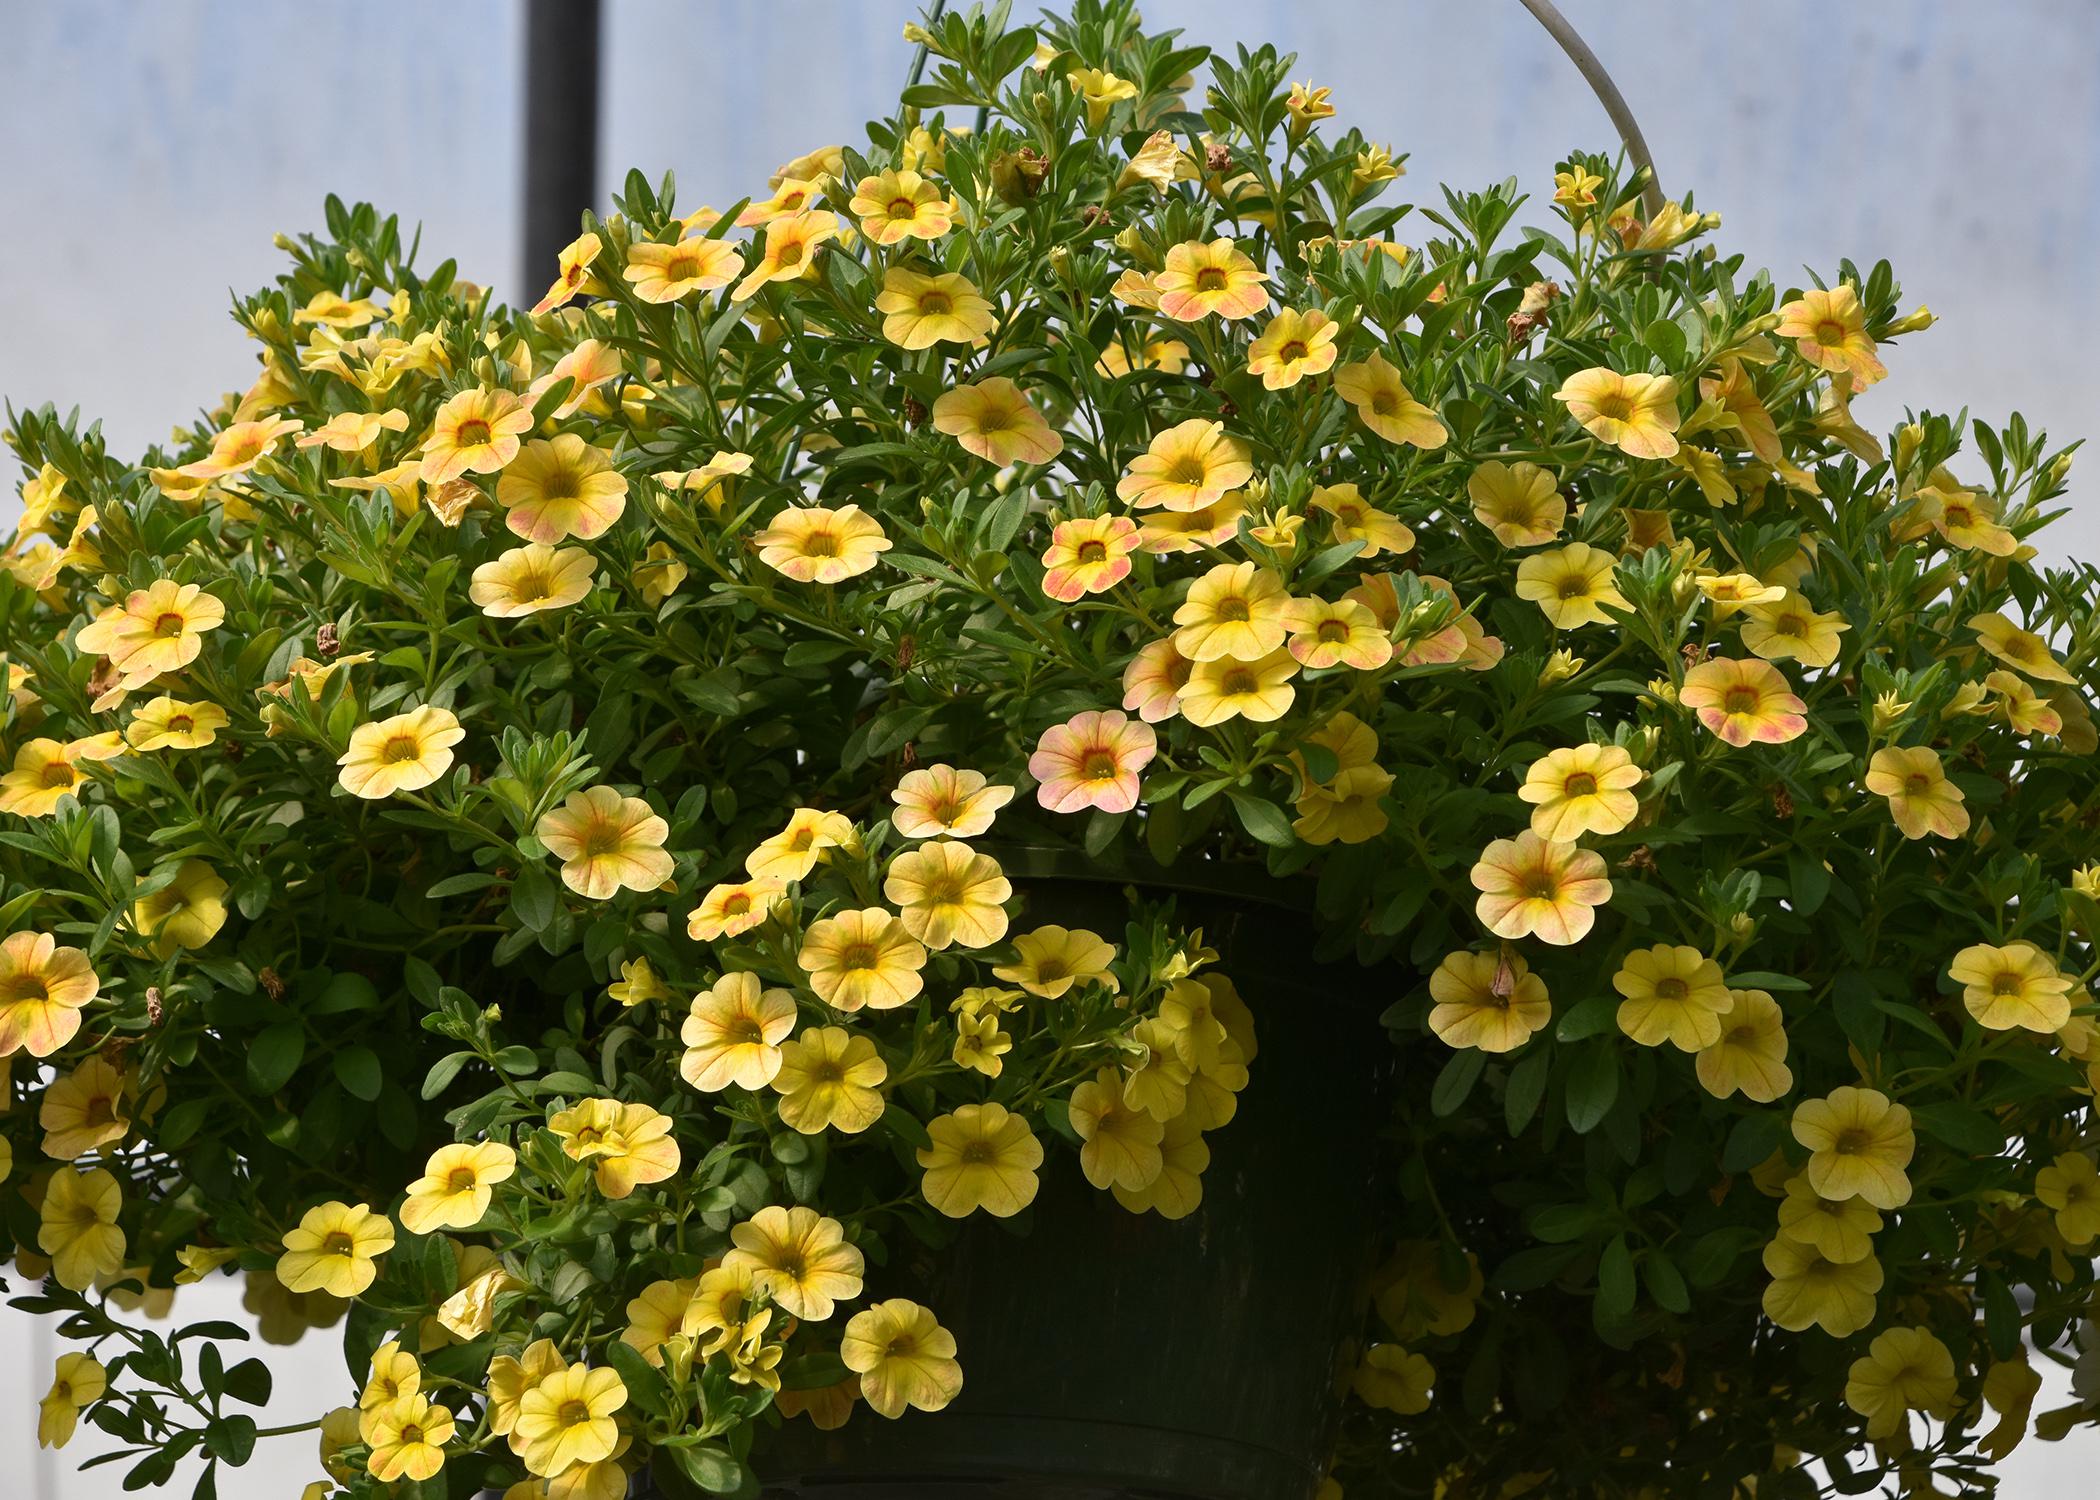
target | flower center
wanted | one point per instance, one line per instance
(1579, 784)
(935, 304)
(1239, 681)
(1093, 552)
(402, 747)
(1293, 351)
(1189, 470)
(462, 1180)
(1740, 700)
(977, 1154)
(746, 1032)
(1671, 989)
(339, 1243)
(737, 906)
(1333, 632)
(790, 254)
(1099, 765)
(820, 544)
(859, 956)
(60, 773)
(901, 208)
(574, 1414)
(2006, 984)
(1234, 609)
(1385, 403)
(473, 433)
(182, 724)
(1853, 1142)
(1211, 279)
(682, 268)
(828, 1072)
(169, 625)
(1616, 407)
(1830, 331)
(101, 1110)
(24, 987)
(1576, 587)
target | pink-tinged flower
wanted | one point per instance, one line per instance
(1743, 701)
(1092, 760)
(1534, 887)
(1153, 681)
(1088, 555)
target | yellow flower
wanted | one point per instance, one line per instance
(1674, 994)
(2025, 710)
(1357, 520)
(1051, 960)
(1749, 1056)
(1122, 1142)
(993, 420)
(240, 448)
(828, 1077)
(1258, 691)
(44, 772)
(1572, 585)
(42, 990)
(638, 984)
(733, 1033)
(2022, 650)
(561, 487)
(77, 1381)
(79, 1227)
(476, 432)
(2013, 986)
(84, 1110)
(171, 724)
(573, 274)
(1809, 1289)
(2069, 1187)
(1168, 356)
(941, 801)
(657, 1314)
(733, 908)
(402, 754)
(1293, 346)
(407, 1436)
(1576, 188)
(1385, 405)
(789, 251)
(1306, 104)
(1743, 701)
(1790, 629)
(627, 1145)
(1637, 414)
(1391, 1379)
(1187, 467)
(531, 578)
(456, 1185)
(568, 1419)
(799, 1258)
(1859, 1141)
(354, 431)
(921, 311)
(1842, 1232)
(1347, 809)
(1177, 1191)
(900, 205)
(1235, 610)
(863, 957)
(156, 629)
(903, 1356)
(605, 842)
(335, 1249)
(1487, 1000)
(1921, 798)
(510, 1379)
(1101, 90)
(1966, 520)
(1903, 1370)
(1829, 330)
(1200, 279)
(792, 194)
(798, 848)
(659, 574)
(980, 1156)
(980, 1045)
(949, 894)
(586, 367)
(394, 1374)
(1533, 887)
(815, 544)
(1582, 789)
(671, 273)
(185, 913)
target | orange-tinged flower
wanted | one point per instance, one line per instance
(1921, 798)
(477, 431)
(1092, 760)
(456, 1187)
(156, 629)
(899, 205)
(2022, 650)
(240, 448)
(1326, 633)
(1533, 887)
(817, 544)
(993, 420)
(2016, 985)
(1187, 467)
(573, 274)
(980, 1156)
(528, 579)
(1487, 1000)
(789, 251)
(829, 1077)
(1791, 630)
(798, 848)
(1674, 994)
(1743, 701)
(1052, 960)
(903, 1356)
(670, 273)
(1749, 1056)
(1236, 610)
(1573, 585)
(733, 1034)
(949, 894)
(354, 431)
(605, 842)
(1088, 555)
(1829, 330)
(1860, 1142)
(940, 801)
(1293, 346)
(1386, 406)
(335, 1249)
(733, 908)
(42, 990)
(1637, 414)
(1259, 691)
(1357, 520)
(2025, 710)
(1582, 789)
(404, 753)
(561, 487)
(864, 957)
(1200, 279)
(921, 311)
(586, 367)
(799, 1258)
(793, 193)
(1305, 104)
(1153, 681)
(627, 1145)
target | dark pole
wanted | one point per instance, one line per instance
(561, 131)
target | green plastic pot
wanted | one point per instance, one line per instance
(1112, 1356)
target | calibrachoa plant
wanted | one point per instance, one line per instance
(504, 824)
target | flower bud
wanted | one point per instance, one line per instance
(1889, 711)
(1916, 322)
(2086, 881)
(1560, 666)
(1908, 440)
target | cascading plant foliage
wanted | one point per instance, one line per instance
(506, 827)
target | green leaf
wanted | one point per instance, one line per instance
(1456, 1081)
(344, 992)
(1665, 1285)
(249, 1381)
(1961, 1126)
(1765, 979)
(357, 1070)
(1592, 1017)
(1615, 1288)
(1593, 1086)
(443, 1071)
(645, 1383)
(533, 898)
(711, 1467)
(1526, 1088)
(1264, 820)
(275, 1055)
(1755, 1137)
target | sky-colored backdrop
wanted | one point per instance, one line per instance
(150, 148)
